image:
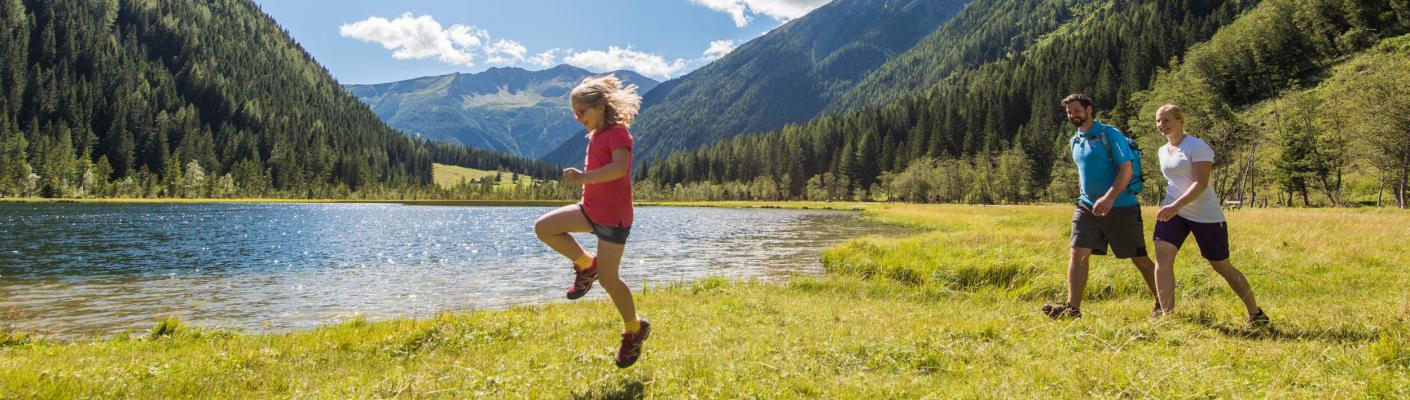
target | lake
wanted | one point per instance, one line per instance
(78, 270)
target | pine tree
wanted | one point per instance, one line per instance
(14, 167)
(157, 85)
(14, 57)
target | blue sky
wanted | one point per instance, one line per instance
(376, 41)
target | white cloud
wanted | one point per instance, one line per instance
(783, 10)
(412, 37)
(416, 38)
(548, 58)
(649, 64)
(741, 11)
(467, 36)
(506, 52)
(719, 48)
(616, 58)
(735, 8)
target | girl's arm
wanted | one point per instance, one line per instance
(1202, 171)
(619, 167)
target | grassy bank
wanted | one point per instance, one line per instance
(949, 312)
(449, 176)
(520, 203)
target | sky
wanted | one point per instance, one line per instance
(378, 41)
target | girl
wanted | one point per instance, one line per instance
(1190, 207)
(604, 108)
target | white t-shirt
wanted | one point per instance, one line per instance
(1177, 165)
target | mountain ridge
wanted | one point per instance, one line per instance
(507, 109)
(785, 76)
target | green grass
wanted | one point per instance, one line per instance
(948, 312)
(788, 205)
(448, 176)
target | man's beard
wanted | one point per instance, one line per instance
(1077, 121)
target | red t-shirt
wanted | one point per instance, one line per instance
(608, 203)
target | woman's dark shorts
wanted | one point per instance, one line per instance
(616, 235)
(1121, 228)
(1212, 237)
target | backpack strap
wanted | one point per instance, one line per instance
(1136, 174)
(1110, 153)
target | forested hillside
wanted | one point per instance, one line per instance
(995, 133)
(1309, 101)
(984, 32)
(147, 98)
(786, 76)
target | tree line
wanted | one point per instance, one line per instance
(157, 98)
(1299, 97)
(988, 109)
(1218, 58)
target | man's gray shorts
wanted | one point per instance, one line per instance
(1121, 228)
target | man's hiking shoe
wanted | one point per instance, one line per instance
(582, 282)
(1259, 319)
(631, 345)
(1061, 311)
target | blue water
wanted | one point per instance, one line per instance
(74, 270)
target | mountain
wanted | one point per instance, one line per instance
(983, 32)
(786, 76)
(986, 108)
(1255, 78)
(569, 153)
(1261, 89)
(210, 98)
(504, 109)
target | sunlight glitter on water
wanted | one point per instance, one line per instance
(82, 269)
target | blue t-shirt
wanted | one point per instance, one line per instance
(1095, 168)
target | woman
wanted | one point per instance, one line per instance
(1190, 207)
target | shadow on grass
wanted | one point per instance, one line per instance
(1277, 332)
(618, 390)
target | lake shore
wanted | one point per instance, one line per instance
(949, 311)
(518, 203)
(853, 206)
(73, 271)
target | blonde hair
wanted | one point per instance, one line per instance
(620, 104)
(1174, 111)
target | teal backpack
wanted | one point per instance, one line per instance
(1138, 179)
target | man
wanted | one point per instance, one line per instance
(1108, 213)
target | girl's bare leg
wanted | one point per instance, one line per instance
(1238, 283)
(609, 259)
(1165, 274)
(553, 228)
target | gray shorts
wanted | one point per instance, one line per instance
(1121, 228)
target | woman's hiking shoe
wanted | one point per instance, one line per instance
(1259, 319)
(582, 281)
(1061, 311)
(631, 345)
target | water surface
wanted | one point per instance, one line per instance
(72, 270)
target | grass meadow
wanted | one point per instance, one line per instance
(948, 312)
(449, 176)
